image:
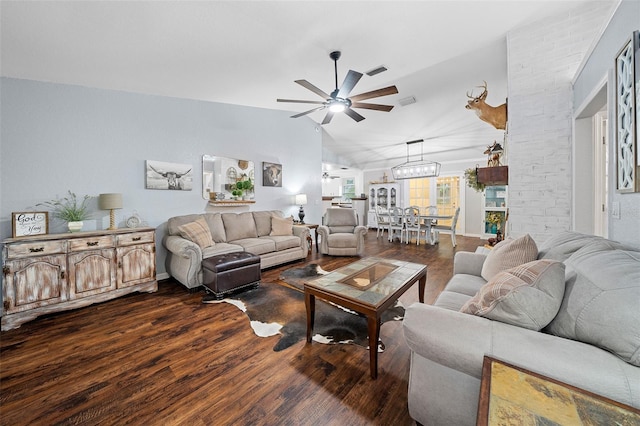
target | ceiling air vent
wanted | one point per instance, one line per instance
(376, 70)
(407, 101)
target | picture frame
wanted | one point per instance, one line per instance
(271, 174)
(26, 224)
(627, 113)
(171, 176)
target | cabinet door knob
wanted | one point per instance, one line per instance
(92, 243)
(62, 275)
(36, 249)
(136, 238)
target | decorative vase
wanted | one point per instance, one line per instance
(494, 228)
(75, 226)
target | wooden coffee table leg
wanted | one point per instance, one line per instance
(422, 282)
(373, 325)
(310, 303)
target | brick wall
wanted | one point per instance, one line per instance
(542, 59)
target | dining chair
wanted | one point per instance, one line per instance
(451, 229)
(382, 219)
(412, 223)
(396, 223)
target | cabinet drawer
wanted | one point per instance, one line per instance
(35, 248)
(91, 243)
(135, 238)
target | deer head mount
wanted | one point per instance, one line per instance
(496, 116)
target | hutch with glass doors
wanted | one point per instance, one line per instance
(383, 195)
(494, 210)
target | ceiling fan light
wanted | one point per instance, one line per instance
(336, 106)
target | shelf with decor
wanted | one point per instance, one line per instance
(232, 203)
(494, 210)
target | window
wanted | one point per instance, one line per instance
(443, 192)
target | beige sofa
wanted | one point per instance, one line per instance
(232, 232)
(579, 325)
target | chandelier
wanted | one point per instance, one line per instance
(416, 168)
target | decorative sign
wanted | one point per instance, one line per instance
(25, 224)
(626, 143)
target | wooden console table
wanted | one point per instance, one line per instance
(511, 394)
(57, 272)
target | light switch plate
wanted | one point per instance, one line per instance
(615, 209)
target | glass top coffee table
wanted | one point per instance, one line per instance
(369, 286)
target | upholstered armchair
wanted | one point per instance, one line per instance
(340, 233)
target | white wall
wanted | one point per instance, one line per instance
(57, 137)
(599, 65)
(542, 59)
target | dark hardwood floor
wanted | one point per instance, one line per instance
(167, 359)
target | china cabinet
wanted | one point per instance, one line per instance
(494, 210)
(384, 195)
(57, 272)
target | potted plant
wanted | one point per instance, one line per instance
(70, 210)
(495, 219)
(471, 176)
(242, 186)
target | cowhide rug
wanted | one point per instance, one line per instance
(297, 276)
(275, 309)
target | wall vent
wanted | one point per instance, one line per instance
(376, 70)
(407, 101)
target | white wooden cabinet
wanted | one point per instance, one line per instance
(57, 272)
(385, 195)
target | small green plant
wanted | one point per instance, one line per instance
(471, 176)
(69, 209)
(240, 187)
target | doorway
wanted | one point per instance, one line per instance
(590, 165)
(444, 192)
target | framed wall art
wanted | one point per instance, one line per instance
(24, 224)
(271, 174)
(627, 85)
(173, 176)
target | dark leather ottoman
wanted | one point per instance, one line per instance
(227, 273)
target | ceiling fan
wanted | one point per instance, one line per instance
(326, 177)
(339, 100)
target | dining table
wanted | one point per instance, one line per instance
(426, 220)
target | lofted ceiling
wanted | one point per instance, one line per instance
(250, 52)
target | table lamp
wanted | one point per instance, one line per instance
(301, 200)
(110, 202)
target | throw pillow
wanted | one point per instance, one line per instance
(508, 254)
(527, 296)
(281, 226)
(198, 232)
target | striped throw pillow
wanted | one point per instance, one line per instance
(198, 232)
(527, 296)
(508, 254)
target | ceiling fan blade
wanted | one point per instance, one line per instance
(298, 101)
(307, 112)
(351, 113)
(375, 94)
(314, 89)
(328, 117)
(377, 107)
(349, 83)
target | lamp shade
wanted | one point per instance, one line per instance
(301, 199)
(110, 201)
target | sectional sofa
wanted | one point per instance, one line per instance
(569, 310)
(268, 234)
